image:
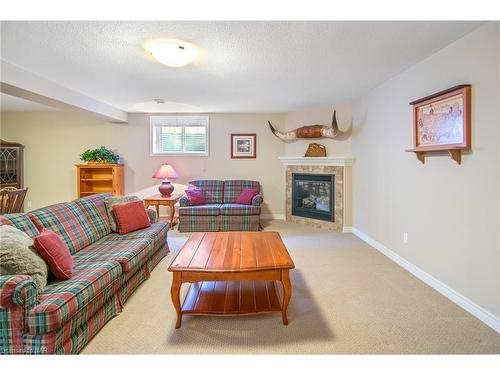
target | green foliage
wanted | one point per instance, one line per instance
(101, 154)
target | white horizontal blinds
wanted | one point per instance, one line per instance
(171, 139)
(195, 139)
(179, 134)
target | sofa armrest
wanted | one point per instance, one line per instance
(152, 215)
(183, 202)
(18, 296)
(257, 200)
(17, 290)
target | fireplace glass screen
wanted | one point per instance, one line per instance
(312, 196)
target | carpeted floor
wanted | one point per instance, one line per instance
(347, 299)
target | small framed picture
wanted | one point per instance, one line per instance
(243, 146)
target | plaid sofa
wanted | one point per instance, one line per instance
(221, 212)
(108, 268)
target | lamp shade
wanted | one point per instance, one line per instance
(166, 171)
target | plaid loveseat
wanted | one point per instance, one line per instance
(108, 267)
(221, 212)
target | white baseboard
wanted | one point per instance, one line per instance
(347, 229)
(273, 216)
(482, 314)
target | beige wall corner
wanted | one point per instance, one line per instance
(449, 211)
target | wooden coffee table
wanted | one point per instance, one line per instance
(232, 273)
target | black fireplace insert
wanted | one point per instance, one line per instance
(312, 196)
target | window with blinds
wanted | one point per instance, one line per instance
(182, 135)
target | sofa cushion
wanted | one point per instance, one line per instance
(61, 300)
(95, 210)
(233, 188)
(130, 217)
(68, 221)
(212, 189)
(205, 210)
(239, 209)
(156, 232)
(20, 221)
(131, 254)
(195, 197)
(17, 256)
(55, 253)
(109, 202)
(151, 232)
(246, 196)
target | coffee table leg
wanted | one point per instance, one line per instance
(175, 292)
(287, 294)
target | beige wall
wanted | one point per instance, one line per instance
(54, 141)
(450, 211)
(319, 116)
(498, 145)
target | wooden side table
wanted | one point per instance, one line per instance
(157, 201)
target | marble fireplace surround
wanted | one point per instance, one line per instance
(341, 168)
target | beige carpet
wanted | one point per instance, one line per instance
(347, 298)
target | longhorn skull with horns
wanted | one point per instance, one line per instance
(313, 131)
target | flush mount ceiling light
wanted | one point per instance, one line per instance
(172, 53)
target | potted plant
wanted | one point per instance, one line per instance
(100, 155)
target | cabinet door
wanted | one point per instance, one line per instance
(9, 166)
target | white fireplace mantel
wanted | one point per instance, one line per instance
(334, 161)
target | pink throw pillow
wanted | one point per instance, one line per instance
(55, 253)
(130, 216)
(195, 197)
(246, 196)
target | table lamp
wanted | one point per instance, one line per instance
(166, 172)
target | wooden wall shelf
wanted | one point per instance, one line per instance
(454, 153)
(99, 178)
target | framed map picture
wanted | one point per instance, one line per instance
(442, 121)
(243, 146)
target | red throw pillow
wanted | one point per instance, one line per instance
(55, 253)
(195, 197)
(246, 196)
(130, 216)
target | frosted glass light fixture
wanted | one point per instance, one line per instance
(173, 53)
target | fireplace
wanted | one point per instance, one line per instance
(330, 172)
(313, 196)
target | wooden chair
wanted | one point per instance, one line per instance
(11, 200)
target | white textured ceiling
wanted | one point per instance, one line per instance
(244, 67)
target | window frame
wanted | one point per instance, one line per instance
(153, 120)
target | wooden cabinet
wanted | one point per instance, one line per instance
(11, 164)
(99, 178)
